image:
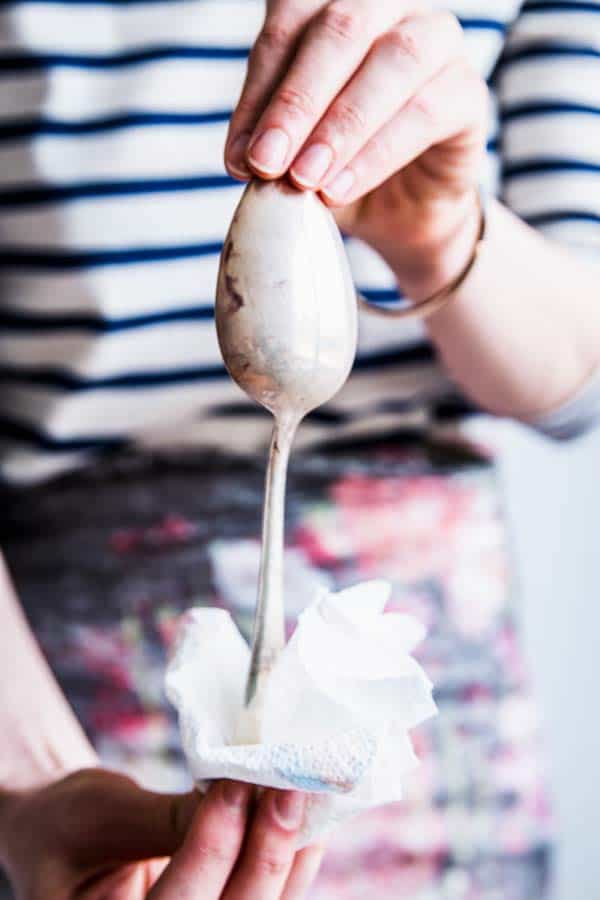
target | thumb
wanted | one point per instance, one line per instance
(131, 823)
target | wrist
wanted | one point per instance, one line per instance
(433, 261)
(36, 757)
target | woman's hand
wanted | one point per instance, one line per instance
(372, 103)
(96, 835)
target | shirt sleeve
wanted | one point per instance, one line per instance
(576, 416)
(548, 87)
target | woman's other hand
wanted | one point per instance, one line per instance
(374, 104)
(96, 835)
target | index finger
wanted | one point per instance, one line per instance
(203, 864)
(269, 58)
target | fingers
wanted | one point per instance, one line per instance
(204, 836)
(203, 864)
(268, 855)
(399, 63)
(450, 106)
(304, 871)
(272, 53)
(332, 46)
(392, 83)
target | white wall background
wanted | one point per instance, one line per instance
(553, 503)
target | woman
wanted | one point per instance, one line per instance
(114, 207)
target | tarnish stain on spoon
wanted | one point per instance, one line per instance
(236, 299)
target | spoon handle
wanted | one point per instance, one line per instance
(269, 625)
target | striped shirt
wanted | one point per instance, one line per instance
(114, 203)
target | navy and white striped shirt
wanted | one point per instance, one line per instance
(114, 203)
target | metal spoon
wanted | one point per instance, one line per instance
(286, 320)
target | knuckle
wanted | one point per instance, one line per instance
(342, 22)
(347, 118)
(274, 37)
(401, 45)
(423, 103)
(271, 863)
(213, 852)
(298, 103)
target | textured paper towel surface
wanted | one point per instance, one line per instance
(338, 706)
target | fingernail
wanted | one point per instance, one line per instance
(235, 793)
(236, 156)
(340, 186)
(288, 808)
(269, 151)
(311, 166)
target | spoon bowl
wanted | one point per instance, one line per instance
(286, 310)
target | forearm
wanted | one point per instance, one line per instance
(522, 334)
(40, 736)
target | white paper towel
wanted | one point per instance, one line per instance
(338, 706)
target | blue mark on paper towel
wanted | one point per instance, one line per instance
(306, 783)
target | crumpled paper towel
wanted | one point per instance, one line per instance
(337, 708)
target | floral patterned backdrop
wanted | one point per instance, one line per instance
(106, 563)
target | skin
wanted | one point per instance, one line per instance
(397, 120)
(69, 830)
(399, 117)
(98, 835)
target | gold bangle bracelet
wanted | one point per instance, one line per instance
(425, 308)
